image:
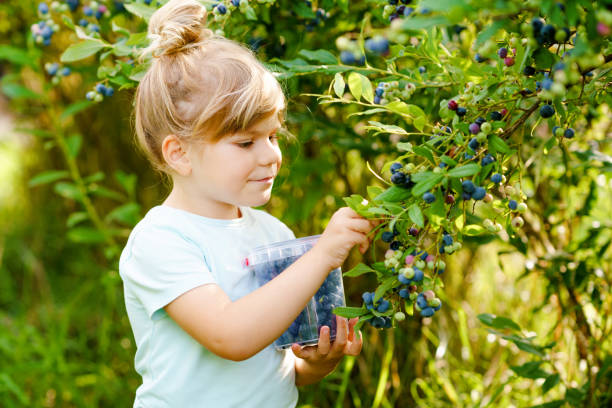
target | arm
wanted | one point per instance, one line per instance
(238, 330)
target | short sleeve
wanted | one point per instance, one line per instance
(161, 265)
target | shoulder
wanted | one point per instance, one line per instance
(271, 221)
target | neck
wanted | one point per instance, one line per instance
(203, 206)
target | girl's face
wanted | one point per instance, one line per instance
(239, 169)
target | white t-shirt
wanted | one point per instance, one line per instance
(169, 252)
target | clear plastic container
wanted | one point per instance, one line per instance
(268, 261)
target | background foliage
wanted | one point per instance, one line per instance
(526, 312)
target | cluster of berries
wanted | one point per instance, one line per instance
(560, 132)
(394, 10)
(546, 34)
(427, 303)
(99, 92)
(53, 69)
(377, 45)
(400, 175)
(350, 53)
(381, 306)
(43, 30)
(386, 92)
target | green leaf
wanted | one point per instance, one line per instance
(16, 56)
(250, 13)
(349, 312)
(419, 22)
(127, 181)
(16, 91)
(426, 184)
(473, 230)
(385, 128)
(393, 194)
(138, 39)
(498, 322)
(415, 214)
(320, 56)
(384, 287)
(140, 10)
(68, 190)
(128, 214)
(339, 85)
(75, 108)
(449, 161)
(425, 152)
(75, 218)
(355, 85)
(48, 177)
(360, 269)
(86, 235)
(404, 146)
(464, 171)
(530, 370)
(374, 191)
(550, 404)
(498, 144)
(82, 50)
(550, 382)
(73, 142)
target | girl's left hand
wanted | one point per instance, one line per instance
(328, 355)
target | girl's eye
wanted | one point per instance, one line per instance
(247, 144)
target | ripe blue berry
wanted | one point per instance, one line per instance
(488, 159)
(496, 178)
(83, 22)
(379, 92)
(347, 57)
(395, 245)
(474, 128)
(502, 52)
(461, 111)
(421, 301)
(495, 115)
(398, 178)
(468, 186)
(547, 83)
(402, 279)
(387, 236)
(395, 167)
(43, 8)
(529, 70)
(427, 312)
(473, 143)
(421, 69)
(404, 293)
(569, 133)
(480, 120)
(512, 204)
(479, 193)
(447, 239)
(479, 58)
(429, 197)
(383, 306)
(367, 297)
(547, 111)
(88, 11)
(418, 275)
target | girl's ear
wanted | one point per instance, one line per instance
(175, 155)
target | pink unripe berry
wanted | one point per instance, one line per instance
(509, 61)
(603, 29)
(429, 258)
(409, 259)
(504, 112)
(429, 294)
(389, 253)
(453, 105)
(102, 8)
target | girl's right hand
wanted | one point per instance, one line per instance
(345, 229)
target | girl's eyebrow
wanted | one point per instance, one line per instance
(256, 132)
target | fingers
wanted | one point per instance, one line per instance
(355, 343)
(341, 335)
(306, 352)
(324, 342)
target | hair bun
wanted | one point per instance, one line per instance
(176, 26)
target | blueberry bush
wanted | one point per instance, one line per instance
(465, 126)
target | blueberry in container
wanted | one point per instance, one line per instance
(268, 261)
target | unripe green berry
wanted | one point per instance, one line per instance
(522, 207)
(399, 316)
(517, 222)
(488, 224)
(408, 273)
(485, 127)
(435, 302)
(481, 137)
(420, 264)
(449, 249)
(430, 264)
(413, 296)
(441, 264)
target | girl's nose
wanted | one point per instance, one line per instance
(270, 152)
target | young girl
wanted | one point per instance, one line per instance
(206, 114)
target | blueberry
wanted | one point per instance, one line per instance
(87, 11)
(569, 133)
(537, 24)
(529, 70)
(43, 8)
(395, 167)
(424, 255)
(422, 69)
(383, 306)
(236, 3)
(512, 204)
(479, 58)
(421, 301)
(52, 69)
(380, 92)
(99, 14)
(73, 4)
(496, 178)
(395, 245)
(418, 275)
(461, 111)
(473, 144)
(347, 57)
(404, 293)
(474, 128)
(65, 71)
(480, 120)
(427, 312)
(468, 186)
(447, 239)
(83, 22)
(429, 197)
(387, 236)
(502, 52)
(547, 111)
(547, 83)
(466, 196)
(479, 193)
(488, 159)
(402, 279)
(398, 178)
(413, 231)
(222, 9)
(495, 115)
(101, 89)
(548, 33)
(408, 11)
(367, 297)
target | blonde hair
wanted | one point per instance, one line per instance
(200, 86)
